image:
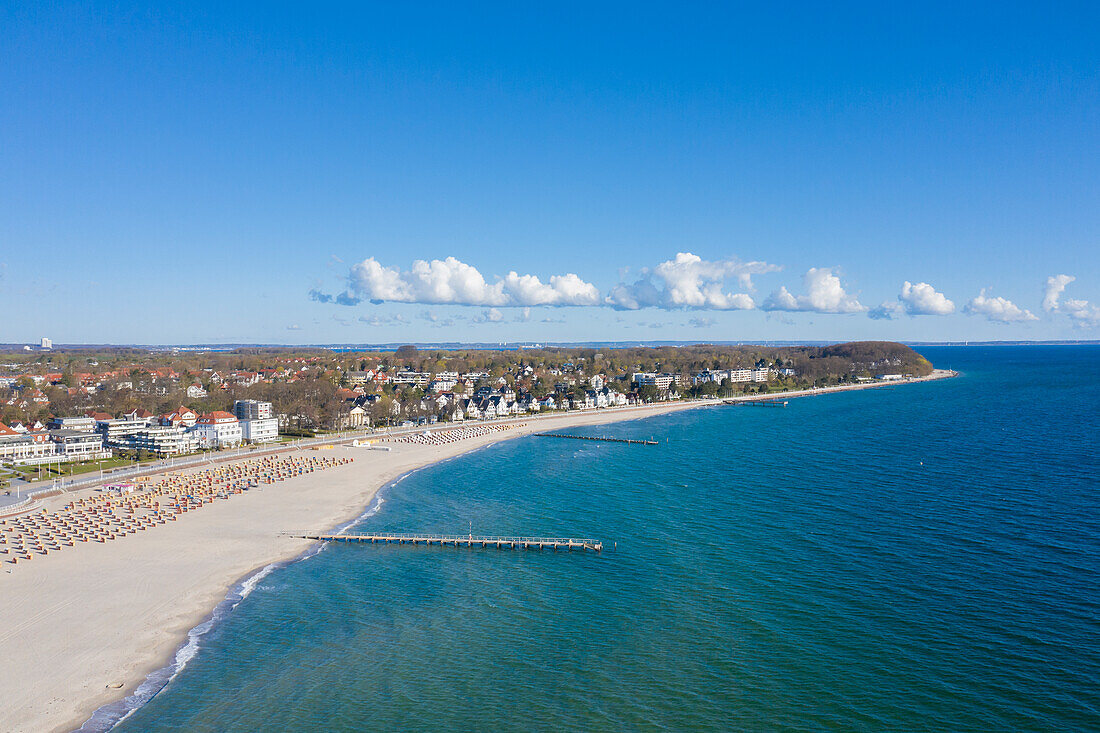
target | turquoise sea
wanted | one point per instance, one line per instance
(919, 557)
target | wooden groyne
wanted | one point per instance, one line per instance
(457, 540)
(588, 437)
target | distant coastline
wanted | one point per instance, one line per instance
(516, 345)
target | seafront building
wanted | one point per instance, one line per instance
(183, 416)
(652, 379)
(83, 424)
(736, 376)
(257, 420)
(34, 446)
(77, 445)
(164, 440)
(218, 429)
(116, 432)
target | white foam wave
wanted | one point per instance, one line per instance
(250, 583)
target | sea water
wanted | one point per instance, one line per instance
(913, 557)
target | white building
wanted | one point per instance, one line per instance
(258, 421)
(164, 440)
(265, 430)
(196, 391)
(47, 343)
(356, 416)
(760, 374)
(419, 379)
(16, 447)
(253, 410)
(651, 379)
(218, 429)
(442, 385)
(76, 445)
(116, 433)
(82, 424)
(360, 379)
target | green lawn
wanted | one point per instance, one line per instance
(72, 469)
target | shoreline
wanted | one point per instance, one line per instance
(240, 536)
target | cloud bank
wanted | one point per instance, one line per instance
(824, 294)
(689, 281)
(685, 282)
(888, 311)
(923, 300)
(1080, 312)
(915, 300)
(453, 282)
(998, 310)
(1056, 285)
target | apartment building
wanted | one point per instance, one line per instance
(218, 429)
(257, 420)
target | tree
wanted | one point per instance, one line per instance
(406, 352)
(381, 411)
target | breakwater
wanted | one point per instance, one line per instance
(589, 437)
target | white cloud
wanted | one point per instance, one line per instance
(490, 315)
(566, 289)
(923, 300)
(689, 281)
(702, 322)
(450, 281)
(1053, 291)
(999, 310)
(383, 320)
(888, 311)
(1081, 312)
(642, 294)
(825, 294)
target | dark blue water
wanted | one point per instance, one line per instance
(919, 557)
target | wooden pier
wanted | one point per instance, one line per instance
(588, 437)
(759, 403)
(458, 540)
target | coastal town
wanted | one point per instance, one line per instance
(61, 410)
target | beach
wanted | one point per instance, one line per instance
(85, 626)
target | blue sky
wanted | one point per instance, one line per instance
(274, 173)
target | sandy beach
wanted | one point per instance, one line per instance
(78, 622)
